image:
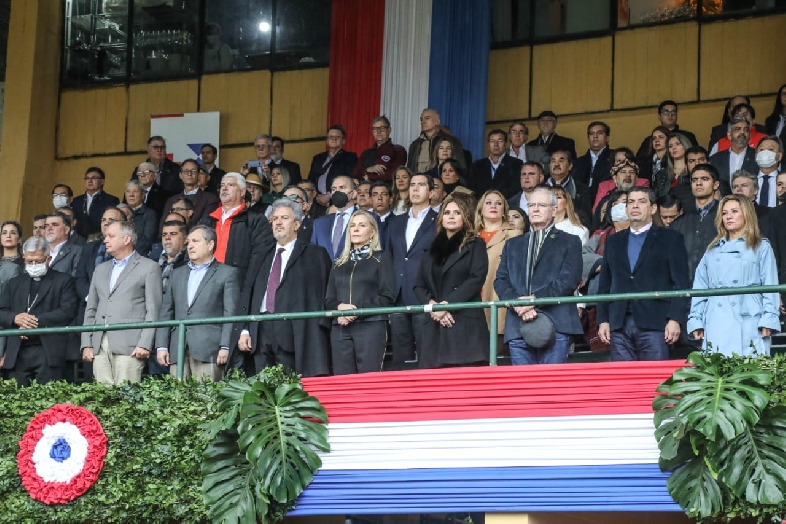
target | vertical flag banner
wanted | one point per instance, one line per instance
(186, 133)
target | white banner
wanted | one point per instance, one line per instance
(186, 133)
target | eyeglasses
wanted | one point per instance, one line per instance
(92, 178)
(669, 112)
(295, 198)
(158, 147)
(190, 171)
(377, 129)
(146, 172)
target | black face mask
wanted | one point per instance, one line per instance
(339, 199)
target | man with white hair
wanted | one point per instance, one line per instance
(154, 195)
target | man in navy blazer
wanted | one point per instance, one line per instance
(409, 236)
(498, 171)
(739, 132)
(332, 163)
(554, 271)
(642, 258)
(90, 207)
(325, 232)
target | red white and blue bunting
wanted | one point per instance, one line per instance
(61, 454)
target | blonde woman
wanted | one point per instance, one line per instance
(279, 180)
(401, 178)
(566, 218)
(737, 257)
(362, 277)
(492, 226)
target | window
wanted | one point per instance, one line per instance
(96, 41)
(165, 38)
(566, 17)
(635, 12)
(719, 7)
(510, 20)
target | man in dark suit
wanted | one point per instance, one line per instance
(561, 165)
(37, 298)
(545, 262)
(214, 173)
(518, 134)
(747, 185)
(316, 209)
(594, 166)
(548, 137)
(775, 124)
(498, 171)
(293, 277)
(332, 163)
(408, 237)
(204, 202)
(167, 172)
(145, 219)
(667, 114)
(644, 257)
(73, 237)
(64, 255)
(154, 196)
(277, 155)
(306, 229)
(203, 289)
(739, 156)
(90, 206)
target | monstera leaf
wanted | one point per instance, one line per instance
(713, 402)
(279, 440)
(231, 488)
(695, 489)
(230, 401)
(752, 465)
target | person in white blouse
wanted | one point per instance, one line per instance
(566, 219)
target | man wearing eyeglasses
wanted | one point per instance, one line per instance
(167, 172)
(378, 162)
(154, 197)
(667, 114)
(298, 195)
(332, 163)
(90, 206)
(204, 202)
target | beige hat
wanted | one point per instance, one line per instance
(253, 178)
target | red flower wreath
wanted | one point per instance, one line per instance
(61, 454)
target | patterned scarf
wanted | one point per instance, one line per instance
(536, 239)
(361, 253)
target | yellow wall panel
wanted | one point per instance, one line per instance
(92, 121)
(155, 99)
(742, 56)
(300, 103)
(508, 86)
(654, 64)
(303, 153)
(244, 102)
(117, 168)
(572, 77)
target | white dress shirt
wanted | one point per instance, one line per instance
(522, 154)
(284, 260)
(736, 160)
(772, 199)
(226, 214)
(345, 222)
(413, 224)
(53, 252)
(524, 203)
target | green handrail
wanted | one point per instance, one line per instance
(493, 306)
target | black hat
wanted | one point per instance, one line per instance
(544, 114)
(538, 333)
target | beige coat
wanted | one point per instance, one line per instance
(494, 252)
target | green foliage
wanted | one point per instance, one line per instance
(261, 456)
(173, 452)
(721, 428)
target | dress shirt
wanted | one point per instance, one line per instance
(641, 230)
(736, 160)
(190, 193)
(284, 260)
(594, 157)
(522, 154)
(384, 217)
(524, 203)
(117, 268)
(89, 199)
(772, 199)
(345, 222)
(53, 252)
(494, 166)
(413, 224)
(226, 214)
(147, 194)
(195, 278)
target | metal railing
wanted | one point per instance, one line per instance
(493, 306)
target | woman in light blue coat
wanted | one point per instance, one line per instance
(737, 257)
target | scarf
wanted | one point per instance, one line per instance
(536, 239)
(360, 253)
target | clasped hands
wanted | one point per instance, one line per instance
(445, 318)
(345, 321)
(526, 313)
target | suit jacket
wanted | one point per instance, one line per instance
(533, 154)
(306, 229)
(342, 164)
(204, 204)
(316, 210)
(146, 223)
(556, 143)
(77, 239)
(322, 233)
(170, 177)
(721, 162)
(135, 298)
(505, 180)
(156, 199)
(406, 262)
(557, 273)
(293, 168)
(662, 266)
(67, 259)
(302, 288)
(216, 296)
(90, 221)
(55, 306)
(592, 177)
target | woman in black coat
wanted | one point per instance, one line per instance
(454, 270)
(362, 277)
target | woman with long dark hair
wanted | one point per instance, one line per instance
(776, 122)
(676, 166)
(12, 263)
(452, 175)
(656, 156)
(454, 270)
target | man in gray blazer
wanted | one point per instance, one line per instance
(204, 288)
(124, 289)
(518, 134)
(65, 254)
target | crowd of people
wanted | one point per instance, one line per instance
(407, 227)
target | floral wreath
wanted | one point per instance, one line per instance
(61, 454)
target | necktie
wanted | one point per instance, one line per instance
(273, 281)
(764, 194)
(338, 232)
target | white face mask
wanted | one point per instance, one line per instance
(766, 158)
(36, 270)
(60, 201)
(618, 213)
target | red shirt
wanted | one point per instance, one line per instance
(222, 230)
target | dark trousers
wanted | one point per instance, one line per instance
(358, 347)
(633, 343)
(273, 346)
(31, 364)
(406, 333)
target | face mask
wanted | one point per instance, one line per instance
(212, 39)
(765, 158)
(618, 213)
(60, 201)
(36, 270)
(339, 199)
